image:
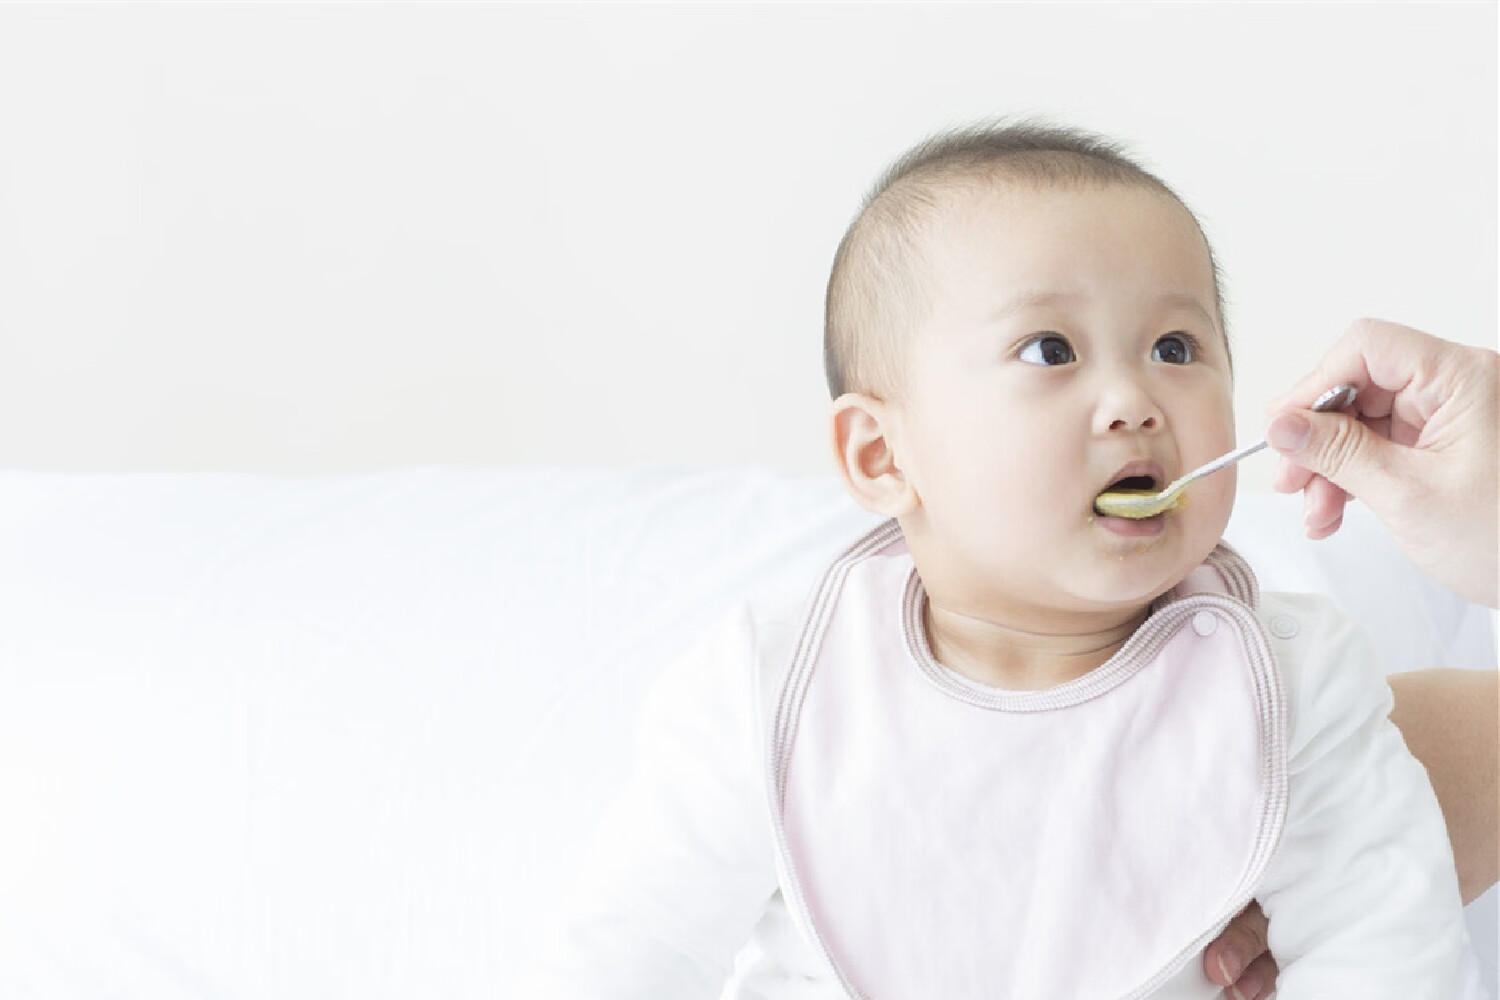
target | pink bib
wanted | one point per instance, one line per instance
(941, 839)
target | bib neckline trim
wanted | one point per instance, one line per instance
(1142, 646)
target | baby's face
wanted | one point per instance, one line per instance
(1072, 341)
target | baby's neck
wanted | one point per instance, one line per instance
(1006, 656)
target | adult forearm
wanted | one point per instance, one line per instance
(1451, 722)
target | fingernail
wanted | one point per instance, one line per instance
(1230, 971)
(1249, 987)
(1289, 432)
(1235, 994)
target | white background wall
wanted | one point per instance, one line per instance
(315, 238)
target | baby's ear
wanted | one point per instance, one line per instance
(866, 456)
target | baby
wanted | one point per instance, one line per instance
(1011, 748)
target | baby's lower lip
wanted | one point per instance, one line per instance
(1146, 527)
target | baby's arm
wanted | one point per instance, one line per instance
(1362, 896)
(683, 862)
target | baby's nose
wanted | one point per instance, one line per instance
(1145, 423)
(1126, 406)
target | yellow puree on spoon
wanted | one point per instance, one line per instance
(1134, 503)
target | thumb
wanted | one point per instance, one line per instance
(1337, 447)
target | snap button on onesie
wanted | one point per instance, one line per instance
(1204, 623)
(1284, 627)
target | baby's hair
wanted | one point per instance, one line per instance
(874, 290)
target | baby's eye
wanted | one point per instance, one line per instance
(1047, 349)
(1175, 349)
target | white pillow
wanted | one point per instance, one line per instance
(342, 736)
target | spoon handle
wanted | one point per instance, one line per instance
(1219, 463)
(1336, 398)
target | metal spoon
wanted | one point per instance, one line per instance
(1143, 503)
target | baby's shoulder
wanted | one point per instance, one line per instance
(1289, 615)
(1328, 667)
(1308, 631)
(738, 660)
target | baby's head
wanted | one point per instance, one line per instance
(1019, 318)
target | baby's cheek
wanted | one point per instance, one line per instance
(1211, 507)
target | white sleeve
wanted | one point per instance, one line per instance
(683, 864)
(1362, 896)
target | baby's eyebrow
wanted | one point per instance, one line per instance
(1180, 301)
(1033, 300)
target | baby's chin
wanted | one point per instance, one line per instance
(1136, 570)
(1122, 595)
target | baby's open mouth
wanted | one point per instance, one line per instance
(1133, 483)
(1134, 497)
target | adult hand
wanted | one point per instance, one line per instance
(1420, 447)
(1239, 959)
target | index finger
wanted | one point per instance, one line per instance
(1378, 358)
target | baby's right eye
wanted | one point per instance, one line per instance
(1047, 349)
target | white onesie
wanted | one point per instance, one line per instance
(816, 795)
